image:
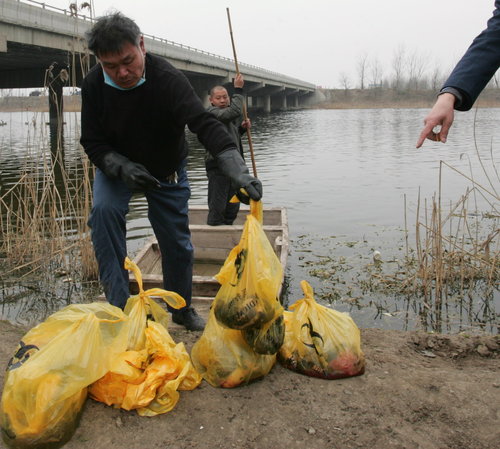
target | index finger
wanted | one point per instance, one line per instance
(424, 134)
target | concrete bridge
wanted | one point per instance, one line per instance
(42, 45)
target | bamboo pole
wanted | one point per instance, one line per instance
(245, 116)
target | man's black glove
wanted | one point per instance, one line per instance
(233, 166)
(135, 175)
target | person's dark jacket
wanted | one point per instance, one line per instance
(147, 123)
(478, 65)
(231, 116)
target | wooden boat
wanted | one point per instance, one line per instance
(212, 245)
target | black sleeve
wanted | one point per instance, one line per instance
(478, 65)
(93, 137)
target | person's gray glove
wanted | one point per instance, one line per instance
(233, 166)
(135, 175)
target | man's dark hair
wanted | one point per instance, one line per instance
(110, 32)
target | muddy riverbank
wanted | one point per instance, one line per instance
(420, 390)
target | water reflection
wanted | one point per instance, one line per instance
(343, 176)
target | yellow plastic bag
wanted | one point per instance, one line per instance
(319, 341)
(46, 381)
(224, 359)
(148, 380)
(140, 306)
(250, 278)
(149, 374)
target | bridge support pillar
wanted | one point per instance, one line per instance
(204, 99)
(267, 103)
(283, 103)
(202, 92)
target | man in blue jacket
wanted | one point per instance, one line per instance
(469, 77)
(135, 107)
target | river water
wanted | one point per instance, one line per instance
(344, 177)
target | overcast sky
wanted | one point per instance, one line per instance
(313, 40)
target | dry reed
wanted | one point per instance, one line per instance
(43, 215)
(456, 257)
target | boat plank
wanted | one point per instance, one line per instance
(212, 245)
(272, 215)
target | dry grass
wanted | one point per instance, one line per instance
(43, 215)
(456, 257)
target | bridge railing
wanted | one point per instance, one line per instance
(88, 18)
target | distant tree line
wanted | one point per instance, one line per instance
(409, 70)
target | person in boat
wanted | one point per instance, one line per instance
(467, 80)
(135, 107)
(229, 110)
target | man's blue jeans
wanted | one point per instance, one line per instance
(168, 215)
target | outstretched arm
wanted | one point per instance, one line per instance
(467, 80)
